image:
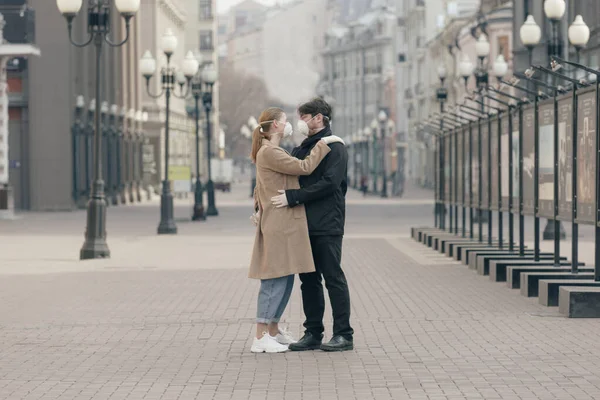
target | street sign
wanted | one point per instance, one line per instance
(181, 176)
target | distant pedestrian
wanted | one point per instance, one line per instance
(363, 185)
(282, 246)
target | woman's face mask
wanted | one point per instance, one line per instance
(287, 130)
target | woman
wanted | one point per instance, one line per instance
(281, 247)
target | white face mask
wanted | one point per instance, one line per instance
(288, 130)
(302, 128)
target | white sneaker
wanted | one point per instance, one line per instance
(267, 344)
(285, 337)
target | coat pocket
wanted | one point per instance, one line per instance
(299, 212)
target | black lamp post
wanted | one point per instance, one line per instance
(383, 119)
(375, 164)
(198, 212)
(169, 77)
(209, 76)
(98, 17)
(442, 96)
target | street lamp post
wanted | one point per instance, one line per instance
(383, 118)
(198, 212)
(530, 34)
(442, 96)
(554, 10)
(579, 35)
(482, 49)
(247, 133)
(252, 123)
(169, 77)
(357, 146)
(209, 76)
(375, 163)
(368, 144)
(95, 245)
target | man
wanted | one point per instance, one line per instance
(323, 195)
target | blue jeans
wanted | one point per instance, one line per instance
(273, 298)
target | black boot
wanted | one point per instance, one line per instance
(338, 343)
(308, 342)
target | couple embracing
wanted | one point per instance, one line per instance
(299, 204)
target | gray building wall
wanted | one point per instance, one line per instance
(52, 82)
(55, 80)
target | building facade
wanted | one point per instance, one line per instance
(280, 45)
(43, 163)
(156, 17)
(454, 42)
(201, 31)
(359, 60)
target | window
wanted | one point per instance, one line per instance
(206, 40)
(205, 10)
(504, 47)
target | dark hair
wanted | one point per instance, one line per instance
(264, 121)
(317, 106)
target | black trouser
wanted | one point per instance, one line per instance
(327, 253)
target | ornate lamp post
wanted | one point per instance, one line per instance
(530, 34)
(482, 48)
(374, 127)
(98, 17)
(368, 144)
(554, 10)
(356, 146)
(500, 67)
(252, 123)
(198, 212)
(383, 119)
(579, 35)
(209, 77)
(442, 96)
(169, 77)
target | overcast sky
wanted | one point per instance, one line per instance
(223, 5)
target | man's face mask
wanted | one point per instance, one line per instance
(302, 126)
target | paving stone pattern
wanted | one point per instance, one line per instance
(425, 329)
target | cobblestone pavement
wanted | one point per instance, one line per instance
(172, 317)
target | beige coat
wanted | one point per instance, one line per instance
(281, 246)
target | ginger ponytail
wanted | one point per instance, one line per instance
(264, 121)
(257, 137)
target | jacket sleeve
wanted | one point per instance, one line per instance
(335, 173)
(278, 160)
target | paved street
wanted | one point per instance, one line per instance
(172, 317)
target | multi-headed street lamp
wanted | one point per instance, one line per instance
(441, 95)
(170, 76)
(198, 211)
(98, 17)
(383, 119)
(209, 77)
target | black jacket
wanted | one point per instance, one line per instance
(323, 193)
